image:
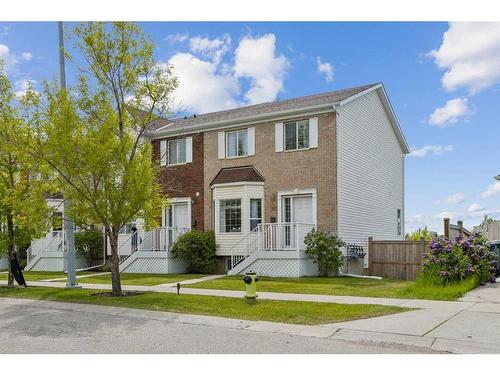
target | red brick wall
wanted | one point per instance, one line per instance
(185, 180)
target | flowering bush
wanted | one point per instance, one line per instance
(451, 261)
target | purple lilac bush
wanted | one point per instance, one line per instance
(451, 261)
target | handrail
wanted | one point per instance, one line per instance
(271, 237)
(148, 238)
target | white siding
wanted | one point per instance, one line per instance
(370, 172)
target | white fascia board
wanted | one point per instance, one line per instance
(249, 120)
(388, 107)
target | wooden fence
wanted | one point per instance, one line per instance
(395, 259)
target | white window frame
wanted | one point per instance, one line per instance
(250, 218)
(241, 216)
(237, 143)
(399, 221)
(173, 202)
(311, 192)
(297, 135)
(177, 152)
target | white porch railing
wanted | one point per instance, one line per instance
(52, 242)
(271, 237)
(158, 239)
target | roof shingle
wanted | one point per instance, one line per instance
(259, 109)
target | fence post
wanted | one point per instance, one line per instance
(370, 258)
(422, 249)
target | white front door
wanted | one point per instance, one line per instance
(295, 209)
(177, 220)
(180, 215)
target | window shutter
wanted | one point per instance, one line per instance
(313, 132)
(278, 136)
(251, 141)
(222, 145)
(189, 149)
(163, 153)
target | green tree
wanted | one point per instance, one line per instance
(425, 233)
(324, 248)
(23, 210)
(94, 135)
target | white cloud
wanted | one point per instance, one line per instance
(325, 68)
(470, 53)
(22, 85)
(434, 149)
(475, 207)
(456, 198)
(214, 49)
(177, 38)
(452, 111)
(202, 88)
(8, 58)
(27, 56)
(255, 58)
(207, 84)
(492, 190)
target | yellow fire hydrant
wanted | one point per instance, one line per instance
(250, 279)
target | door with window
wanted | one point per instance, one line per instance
(295, 209)
(177, 221)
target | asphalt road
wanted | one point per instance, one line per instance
(41, 327)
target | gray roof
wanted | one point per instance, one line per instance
(259, 109)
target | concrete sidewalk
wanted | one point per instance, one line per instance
(471, 325)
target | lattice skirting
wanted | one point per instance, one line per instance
(57, 264)
(160, 264)
(283, 267)
(4, 264)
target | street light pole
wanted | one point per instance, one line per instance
(69, 228)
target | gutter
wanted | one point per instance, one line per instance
(164, 131)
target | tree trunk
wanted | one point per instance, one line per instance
(11, 247)
(115, 263)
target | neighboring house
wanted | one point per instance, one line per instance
(490, 228)
(265, 175)
(48, 253)
(452, 231)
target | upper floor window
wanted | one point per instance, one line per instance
(297, 135)
(177, 151)
(237, 143)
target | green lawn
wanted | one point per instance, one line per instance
(43, 275)
(343, 286)
(308, 313)
(141, 278)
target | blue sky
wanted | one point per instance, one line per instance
(447, 101)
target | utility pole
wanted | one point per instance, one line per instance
(69, 228)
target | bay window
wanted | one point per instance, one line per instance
(255, 213)
(230, 215)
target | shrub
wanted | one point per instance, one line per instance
(425, 233)
(448, 261)
(197, 247)
(89, 243)
(324, 248)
